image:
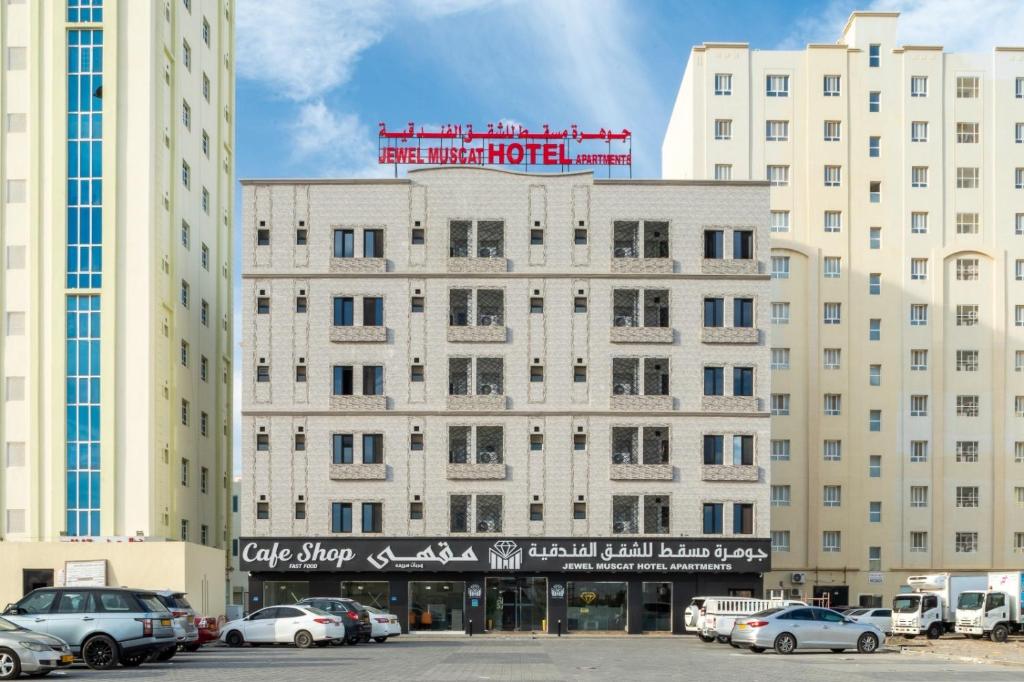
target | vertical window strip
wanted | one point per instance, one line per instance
(82, 437)
(85, 159)
(85, 11)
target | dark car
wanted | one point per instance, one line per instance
(353, 614)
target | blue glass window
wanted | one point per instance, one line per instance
(85, 11)
(341, 446)
(712, 518)
(341, 517)
(743, 381)
(344, 243)
(714, 381)
(342, 380)
(82, 414)
(85, 150)
(343, 311)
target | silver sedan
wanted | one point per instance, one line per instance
(25, 651)
(790, 628)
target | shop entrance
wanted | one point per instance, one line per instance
(517, 604)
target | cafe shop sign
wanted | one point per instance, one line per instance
(506, 555)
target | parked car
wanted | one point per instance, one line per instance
(789, 628)
(299, 624)
(208, 629)
(354, 615)
(692, 616)
(34, 653)
(103, 626)
(184, 621)
(384, 624)
(881, 618)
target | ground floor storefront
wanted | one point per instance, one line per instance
(511, 585)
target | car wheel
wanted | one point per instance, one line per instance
(757, 649)
(303, 639)
(1000, 633)
(10, 664)
(867, 643)
(100, 653)
(234, 638)
(380, 640)
(909, 636)
(191, 648)
(352, 641)
(705, 638)
(166, 654)
(785, 644)
(934, 631)
(134, 660)
(723, 639)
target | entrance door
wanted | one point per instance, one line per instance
(838, 595)
(516, 604)
(32, 578)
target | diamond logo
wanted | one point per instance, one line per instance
(505, 555)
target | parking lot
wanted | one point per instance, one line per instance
(545, 658)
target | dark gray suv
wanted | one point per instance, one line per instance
(103, 626)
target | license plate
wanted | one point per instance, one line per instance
(67, 658)
(165, 621)
(742, 626)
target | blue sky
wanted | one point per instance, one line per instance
(317, 76)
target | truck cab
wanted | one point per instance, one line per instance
(916, 614)
(980, 613)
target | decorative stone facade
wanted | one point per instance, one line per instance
(361, 334)
(729, 472)
(477, 334)
(641, 472)
(475, 472)
(641, 335)
(746, 335)
(358, 472)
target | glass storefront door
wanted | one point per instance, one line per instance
(517, 604)
(596, 606)
(284, 591)
(657, 607)
(437, 606)
(367, 593)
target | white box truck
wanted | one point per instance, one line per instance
(994, 612)
(930, 609)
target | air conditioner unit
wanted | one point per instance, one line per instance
(489, 389)
(794, 593)
(488, 456)
(621, 458)
(622, 389)
(623, 320)
(488, 251)
(798, 577)
(488, 320)
(486, 526)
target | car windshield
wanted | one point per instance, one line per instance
(765, 613)
(181, 602)
(314, 610)
(905, 604)
(8, 626)
(970, 600)
(150, 602)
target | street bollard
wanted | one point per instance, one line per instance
(559, 627)
(470, 627)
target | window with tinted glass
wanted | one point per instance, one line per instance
(742, 244)
(373, 243)
(344, 311)
(713, 312)
(288, 612)
(373, 311)
(342, 448)
(373, 517)
(75, 601)
(38, 602)
(713, 247)
(743, 312)
(344, 243)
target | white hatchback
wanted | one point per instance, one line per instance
(880, 618)
(303, 626)
(384, 624)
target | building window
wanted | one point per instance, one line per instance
(919, 86)
(833, 404)
(918, 314)
(967, 133)
(184, 472)
(875, 191)
(780, 404)
(918, 496)
(832, 313)
(712, 513)
(831, 541)
(723, 129)
(204, 421)
(919, 131)
(833, 176)
(918, 359)
(776, 131)
(780, 540)
(723, 84)
(777, 86)
(1018, 90)
(341, 517)
(918, 406)
(919, 176)
(833, 131)
(780, 313)
(186, 174)
(779, 221)
(186, 115)
(874, 284)
(1018, 133)
(967, 406)
(742, 518)
(300, 511)
(185, 412)
(874, 55)
(874, 375)
(918, 451)
(833, 221)
(373, 517)
(967, 360)
(780, 358)
(723, 171)
(918, 541)
(832, 357)
(918, 269)
(780, 450)
(875, 466)
(966, 315)
(830, 86)
(832, 450)
(918, 223)
(874, 101)
(832, 266)
(874, 329)
(204, 479)
(1018, 178)
(204, 368)
(262, 511)
(967, 87)
(967, 451)
(780, 267)
(874, 420)
(184, 530)
(204, 201)
(206, 87)
(965, 542)
(778, 176)
(874, 147)
(874, 513)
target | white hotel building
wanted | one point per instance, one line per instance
(897, 313)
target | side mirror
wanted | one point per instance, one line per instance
(12, 610)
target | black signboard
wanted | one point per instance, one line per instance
(506, 555)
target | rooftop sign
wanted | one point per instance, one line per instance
(503, 144)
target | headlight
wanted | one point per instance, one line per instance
(34, 646)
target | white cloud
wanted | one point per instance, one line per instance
(340, 141)
(957, 25)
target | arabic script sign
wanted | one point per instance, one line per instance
(506, 555)
(504, 145)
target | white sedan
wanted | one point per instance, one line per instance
(880, 618)
(303, 626)
(384, 624)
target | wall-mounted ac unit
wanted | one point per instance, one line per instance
(622, 389)
(489, 389)
(798, 577)
(486, 526)
(488, 456)
(621, 458)
(488, 251)
(488, 320)
(623, 320)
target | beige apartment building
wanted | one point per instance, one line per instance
(116, 133)
(481, 396)
(897, 312)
